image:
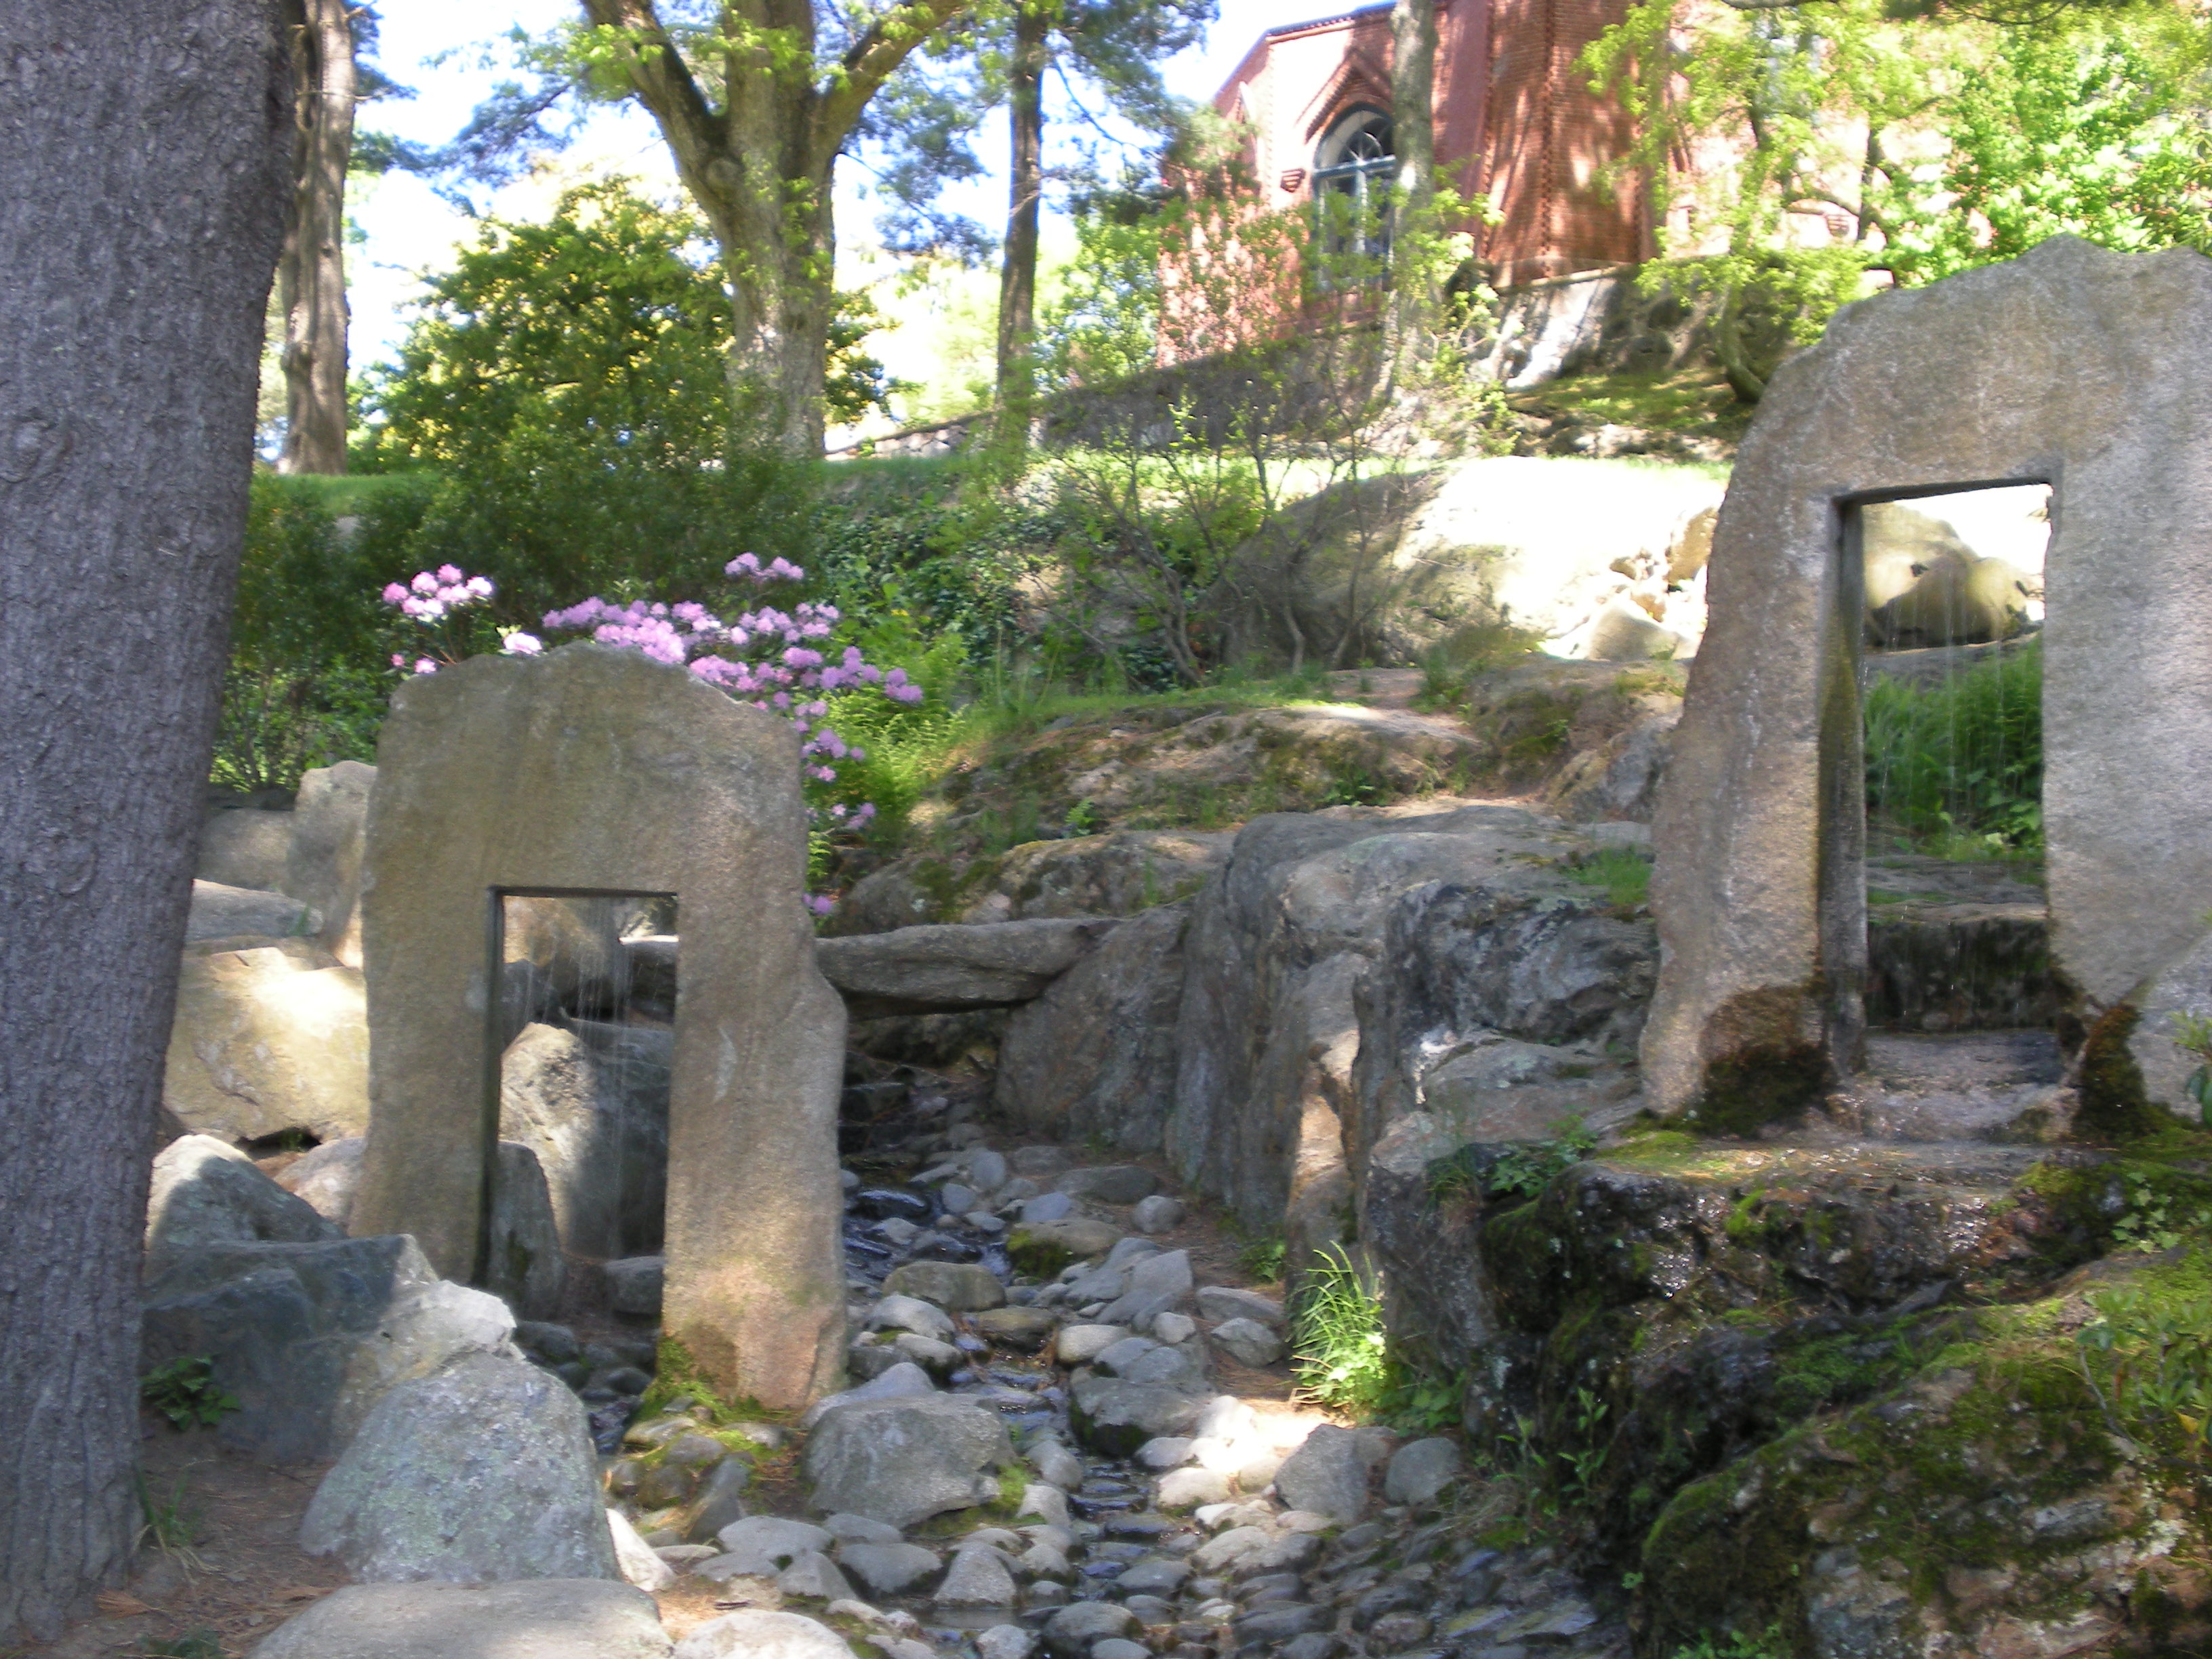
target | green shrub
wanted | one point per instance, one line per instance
(1959, 764)
(185, 1391)
(308, 678)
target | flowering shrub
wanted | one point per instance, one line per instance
(434, 599)
(769, 657)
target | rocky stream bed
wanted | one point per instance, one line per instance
(1024, 1331)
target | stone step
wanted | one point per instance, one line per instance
(1975, 1085)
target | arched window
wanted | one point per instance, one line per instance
(1355, 164)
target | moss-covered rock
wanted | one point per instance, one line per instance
(1985, 1506)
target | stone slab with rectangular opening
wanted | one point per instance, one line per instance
(2072, 367)
(595, 769)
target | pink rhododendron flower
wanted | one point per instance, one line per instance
(761, 657)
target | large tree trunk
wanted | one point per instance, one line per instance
(311, 274)
(780, 261)
(1414, 301)
(144, 152)
(1018, 263)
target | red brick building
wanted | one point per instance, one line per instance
(1515, 119)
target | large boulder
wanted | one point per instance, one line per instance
(1280, 1002)
(543, 1619)
(483, 1470)
(308, 1337)
(1093, 1058)
(1326, 1475)
(1958, 599)
(571, 949)
(527, 1268)
(944, 968)
(205, 1191)
(245, 847)
(221, 911)
(590, 1101)
(1619, 778)
(271, 1035)
(902, 1460)
(323, 863)
(326, 1178)
(1524, 543)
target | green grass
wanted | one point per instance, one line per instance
(1956, 766)
(1689, 401)
(1622, 872)
(339, 496)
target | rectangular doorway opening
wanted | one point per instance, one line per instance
(1958, 997)
(576, 1105)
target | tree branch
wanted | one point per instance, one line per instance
(882, 47)
(664, 86)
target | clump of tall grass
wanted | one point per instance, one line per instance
(1338, 1343)
(1958, 765)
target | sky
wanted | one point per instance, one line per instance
(451, 55)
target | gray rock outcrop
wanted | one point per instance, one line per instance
(1292, 1057)
(310, 1336)
(1093, 1058)
(481, 1471)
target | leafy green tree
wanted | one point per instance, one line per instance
(757, 101)
(2079, 132)
(565, 380)
(1945, 138)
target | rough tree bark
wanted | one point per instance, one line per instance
(1414, 301)
(143, 168)
(311, 273)
(1017, 265)
(759, 167)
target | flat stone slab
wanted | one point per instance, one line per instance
(224, 912)
(543, 1618)
(955, 965)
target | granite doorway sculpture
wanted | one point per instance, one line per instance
(2073, 367)
(596, 770)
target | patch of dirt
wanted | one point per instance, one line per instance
(235, 1571)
